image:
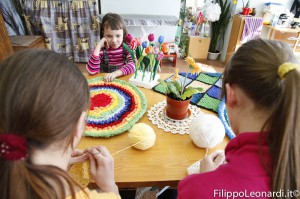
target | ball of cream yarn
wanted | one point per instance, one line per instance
(206, 130)
(142, 133)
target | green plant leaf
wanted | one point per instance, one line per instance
(177, 85)
(173, 89)
(164, 84)
(146, 61)
(190, 91)
(138, 52)
(138, 64)
(155, 68)
(200, 89)
(130, 51)
(219, 27)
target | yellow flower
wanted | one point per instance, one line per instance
(195, 68)
(190, 60)
(176, 75)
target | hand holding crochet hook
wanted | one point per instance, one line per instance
(212, 161)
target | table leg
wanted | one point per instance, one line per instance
(296, 41)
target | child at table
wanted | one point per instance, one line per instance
(109, 56)
(43, 108)
(262, 89)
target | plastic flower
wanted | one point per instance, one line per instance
(128, 38)
(212, 12)
(145, 44)
(160, 55)
(149, 50)
(146, 55)
(133, 44)
(195, 68)
(156, 50)
(151, 37)
(160, 39)
(139, 41)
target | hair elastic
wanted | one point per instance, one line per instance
(12, 147)
(285, 68)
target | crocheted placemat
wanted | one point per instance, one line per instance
(211, 84)
(156, 114)
(224, 118)
(115, 107)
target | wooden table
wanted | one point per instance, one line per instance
(162, 165)
(272, 31)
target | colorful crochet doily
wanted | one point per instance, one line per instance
(115, 107)
(211, 84)
(157, 115)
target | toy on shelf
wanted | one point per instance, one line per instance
(146, 56)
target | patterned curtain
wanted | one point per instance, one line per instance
(69, 27)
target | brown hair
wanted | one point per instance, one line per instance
(42, 97)
(254, 69)
(115, 22)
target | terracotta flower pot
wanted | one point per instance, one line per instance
(177, 110)
(246, 11)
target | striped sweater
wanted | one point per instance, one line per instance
(115, 57)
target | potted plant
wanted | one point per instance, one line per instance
(218, 28)
(178, 94)
(246, 9)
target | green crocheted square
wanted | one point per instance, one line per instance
(159, 88)
(210, 103)
(207, 78)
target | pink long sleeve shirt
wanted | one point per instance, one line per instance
(115, 58)
(242, 175)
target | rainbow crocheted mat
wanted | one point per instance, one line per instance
(115, 107)
(211, 83)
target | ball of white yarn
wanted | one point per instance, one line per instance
(142, 134)
(206, 130)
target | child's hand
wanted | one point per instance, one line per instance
(212, 161)
(102, 168)
(76, 157)
(101, 44)
(109, 77)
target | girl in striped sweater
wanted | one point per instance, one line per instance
(109, 56)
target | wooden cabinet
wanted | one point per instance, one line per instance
(9, 45)
(198, 47)
(27, 41)
(235, 36)
(5, 45)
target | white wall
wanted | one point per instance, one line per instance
(146, 7)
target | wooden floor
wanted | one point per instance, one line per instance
(206, 65)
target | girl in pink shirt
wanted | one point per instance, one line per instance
(109, 55)
(262, 89)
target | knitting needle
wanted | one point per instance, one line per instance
(119, 150)
(126, 148)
